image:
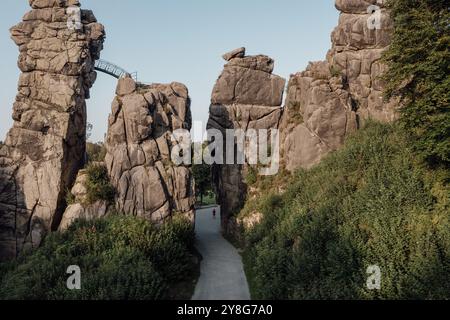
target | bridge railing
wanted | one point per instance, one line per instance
(113, 70)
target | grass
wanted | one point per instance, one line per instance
(372, 203)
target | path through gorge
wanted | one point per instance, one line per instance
(222, 274)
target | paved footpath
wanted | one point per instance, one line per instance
(222, 274)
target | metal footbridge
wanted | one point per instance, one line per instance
(113, 70)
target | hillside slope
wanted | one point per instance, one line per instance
(372, 203)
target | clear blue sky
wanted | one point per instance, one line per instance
(183, 40)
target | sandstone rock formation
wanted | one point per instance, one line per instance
(139, 146)
(45, 148)
(332, 98)
(80, 208)
(246, 96)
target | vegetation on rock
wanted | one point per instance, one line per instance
(98, 185)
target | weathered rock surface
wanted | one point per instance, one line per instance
(333, 98)
(81, 209)
(248, 80)
(236, 53)
(45, 148)
(139, 146)
(246, 96)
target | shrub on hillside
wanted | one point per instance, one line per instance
(371, 203)
(120, 258)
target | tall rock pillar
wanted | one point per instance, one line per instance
(45, 148)
(246, 96)
(139, 145)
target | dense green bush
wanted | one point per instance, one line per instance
(98, 185)
(419, 74)
(371, 203)
(120, 258)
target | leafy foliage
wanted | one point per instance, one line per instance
(120, 258)
(372, 203)
(419, 74)
(98, 185)
(203, 178)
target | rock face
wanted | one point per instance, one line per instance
(333, 98)
(246, 96)
(324, 104)
(45, 148)
(139, 145)
(79, 209)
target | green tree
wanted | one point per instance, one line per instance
(203, 180)
(419, 74)
(202, 176)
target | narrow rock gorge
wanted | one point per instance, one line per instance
(46, 146)
(246, 96)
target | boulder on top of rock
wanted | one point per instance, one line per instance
(249, 80)
(236, 53)
(357, 6)
(126, 85)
